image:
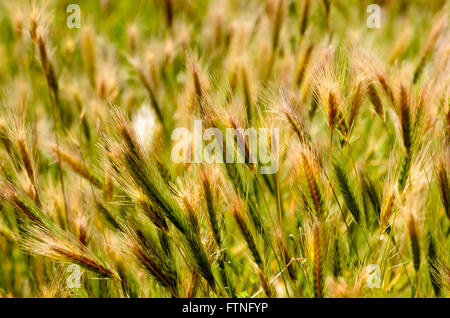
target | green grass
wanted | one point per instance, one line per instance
(87, 178)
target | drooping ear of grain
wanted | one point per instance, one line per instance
(404, 172)
(442, 176)
(76, 166)
(415, 243)
(372, 193)
(357, 96)
(318, 263)
(277, 24)
(89, 54)
(432, 38)
(349, 197)
(313, 187)
(375, 100)
(304, 17)
(433, 268)
(337, 255)
(405, 118)
(47, 66)
(168, 6)
(303, 64)
(245, 231)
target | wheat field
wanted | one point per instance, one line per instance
(93, 204)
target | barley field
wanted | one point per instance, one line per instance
(98, 198)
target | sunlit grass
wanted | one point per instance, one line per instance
(87, 176)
